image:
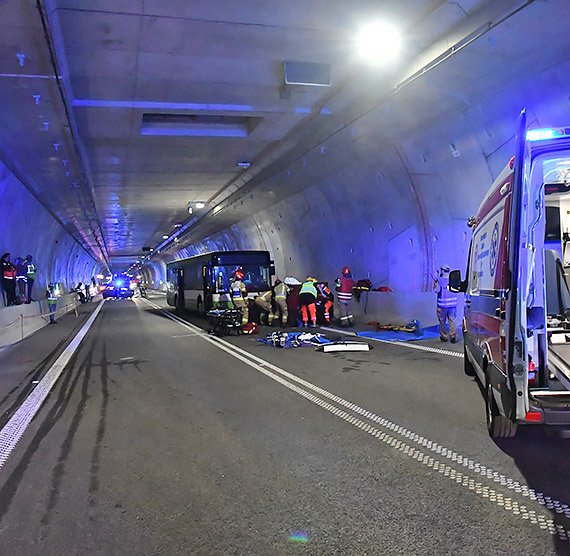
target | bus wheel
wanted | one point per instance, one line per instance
(467, 365)
(498, 425)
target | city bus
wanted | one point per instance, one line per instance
(202, 282)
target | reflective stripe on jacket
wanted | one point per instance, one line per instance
(281, 290)
(308, 287)
(345, 289)
(445, 298)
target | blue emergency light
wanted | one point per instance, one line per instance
(119, 283)
(547, 133)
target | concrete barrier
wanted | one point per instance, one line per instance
(19, 321)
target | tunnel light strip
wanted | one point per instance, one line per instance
(518, 510)
(16, 426)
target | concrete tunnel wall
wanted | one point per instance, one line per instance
(27, 228)
(391, 206)
(395, 211)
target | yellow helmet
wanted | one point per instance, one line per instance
(311, 279)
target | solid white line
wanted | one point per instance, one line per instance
(16, 426)
(507, 503)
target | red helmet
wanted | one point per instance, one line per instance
(238, 274)
(345, 271)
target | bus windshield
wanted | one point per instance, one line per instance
(256, 277)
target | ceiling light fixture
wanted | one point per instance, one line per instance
(244, 165)
(378, 42)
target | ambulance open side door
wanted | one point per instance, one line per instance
(521, 258)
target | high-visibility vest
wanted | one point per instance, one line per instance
(51, 295)
(308, 287)
(445, 298)
(31, 270)
(9, 272)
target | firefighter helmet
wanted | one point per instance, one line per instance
(345, 271)
(311, 279)
(277, 281)
(238, 274)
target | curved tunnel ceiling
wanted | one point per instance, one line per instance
(116, 115)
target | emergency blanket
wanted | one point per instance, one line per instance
(401, 335)
(294, 339)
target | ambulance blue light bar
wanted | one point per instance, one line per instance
(547, 133)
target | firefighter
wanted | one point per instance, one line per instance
(51, 295)
(307, 301)
(8, 278)
(31, 276)
(281, 291)
(263, 301)
(325, 298)
(238, 292)
(344, 287)
(446, 306)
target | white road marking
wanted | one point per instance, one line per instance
(16, 426)
(272, 371)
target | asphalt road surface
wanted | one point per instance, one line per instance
(157, 438)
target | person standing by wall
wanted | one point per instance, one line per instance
(446, 306)
(281, 290)
(8, 278)
(51, 295)
(308, 301)
(31, 276)
(344, 287)
(21, 279)
(238, 292)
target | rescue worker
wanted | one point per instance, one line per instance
(263, 301)
(31, 276)
(21, 279)
(325, 298)
(51, 295)
(308, 301)
(446, 306)
(8, 278)
(238, 292)
(281, 291)
(344, 287)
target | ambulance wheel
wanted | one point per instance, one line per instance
(467, 365)
(498, 425)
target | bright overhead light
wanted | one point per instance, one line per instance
(379, 42)
(189, 209)
(199, 205)
(244, 164)
(165, 237)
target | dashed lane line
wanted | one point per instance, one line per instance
(520, 510)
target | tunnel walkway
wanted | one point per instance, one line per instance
(160, 439)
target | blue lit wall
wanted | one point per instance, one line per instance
(26, 228)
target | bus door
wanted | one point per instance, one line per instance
(180, 288)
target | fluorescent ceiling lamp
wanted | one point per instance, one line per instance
(165, 237)
(378, 42)
(199, 205)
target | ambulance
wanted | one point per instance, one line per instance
(516, 320)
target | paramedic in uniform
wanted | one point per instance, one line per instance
(446, 306)
(238, 292)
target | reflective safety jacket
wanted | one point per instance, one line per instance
(308, 287)
(445, 298)
(324, 291)
(8, 270)
(238, 289)
(266, 296)
(51, 295)
(344, 289)
(281, 290)
(31, 270)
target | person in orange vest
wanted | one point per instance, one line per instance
(344, 287)
(325, 298)
(8, 278)
(308, 300)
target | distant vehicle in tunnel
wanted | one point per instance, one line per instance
(202, 282)
(119, 287)
(517, 304)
